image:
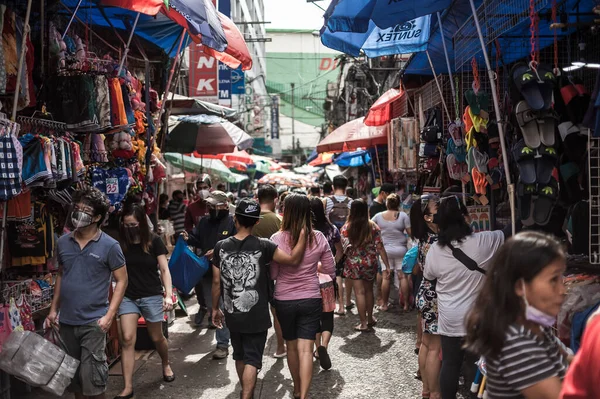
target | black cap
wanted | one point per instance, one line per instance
(249, 208)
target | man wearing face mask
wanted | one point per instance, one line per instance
(212, 228)
(197, 209)
(87, 258)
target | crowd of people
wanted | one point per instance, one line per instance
(293, 261)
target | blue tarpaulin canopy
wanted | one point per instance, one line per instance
(409, 37)
(353, 159)
(356, 15)
(158, 30)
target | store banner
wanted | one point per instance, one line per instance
(204, 78)
(409, 37)
(238, 84)
(275, 117)
(224, 85)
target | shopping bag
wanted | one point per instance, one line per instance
(327, 292)
(409, 260)
(186, 267)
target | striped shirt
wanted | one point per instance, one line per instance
(525, 360)
(177, 212)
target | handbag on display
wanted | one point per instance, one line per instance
(432, 131)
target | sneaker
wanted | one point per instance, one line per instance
(199, 318)
(220, 353)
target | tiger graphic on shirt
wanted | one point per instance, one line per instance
(239, 275)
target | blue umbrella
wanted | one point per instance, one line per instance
(356, 15)
(353, 159)
(409, 37)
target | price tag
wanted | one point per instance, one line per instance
(112, 185)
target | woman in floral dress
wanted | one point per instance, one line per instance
(424, 229)
(362, 240)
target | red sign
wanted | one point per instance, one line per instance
(204, 78)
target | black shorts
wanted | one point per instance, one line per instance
(249, 347)
(299, 318)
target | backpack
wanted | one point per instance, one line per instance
(340, 211)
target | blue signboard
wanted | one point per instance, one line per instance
(238, 85)
(275, 118)
(224, 85)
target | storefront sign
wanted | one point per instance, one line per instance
(238, 85)
(275, 117)
(203, 75)
(480, 218)
(410, 37)
(224, 85)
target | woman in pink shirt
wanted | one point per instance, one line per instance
(297, 294)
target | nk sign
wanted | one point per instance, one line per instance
(204, 78)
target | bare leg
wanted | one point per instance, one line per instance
(419, 331)
(248, 380)
(128, 335)
(340, 283)
(349, 286)
(423, 361)
(239, 368)
(380, 290)
(306, 365)
(361, 305)
(293, 361)
(434, 365)
(325, 337)
(404, 288)
(278, 334)
(162, 346)
(369, 300)
(385, 292)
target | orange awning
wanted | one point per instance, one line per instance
(352, 135)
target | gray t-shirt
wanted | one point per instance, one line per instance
(86, 277)
(457, 287)
(392, 233)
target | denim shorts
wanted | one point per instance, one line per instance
(299, 318)
(151, 308)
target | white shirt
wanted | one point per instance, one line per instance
(457, 287)
(392, 233)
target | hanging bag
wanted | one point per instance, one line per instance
(186, 267)
(432, 131)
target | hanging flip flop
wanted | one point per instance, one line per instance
(479, 122)
(525, 80)
(548, 83)
(545, 163)
(481, 161)
(544, 204)
(479, 181)
(455, 131)
(547, 127)
(525, 193)
(467, 122)
(524, 156)
(527, 121)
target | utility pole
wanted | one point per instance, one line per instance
(293, 122)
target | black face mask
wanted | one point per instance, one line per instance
(132, 234)
(436, 219)
(218, 214)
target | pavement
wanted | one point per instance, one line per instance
(378, 364)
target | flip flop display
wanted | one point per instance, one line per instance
(547, 128)
(460, 151)
(527, 121)
(479, 122)
(544, 204)
(479, 181)
(525, 158)
(481, 160)
(548, 81)
(545, 163)
(526, 82)
(478, 102)
(525, 193)
(467, 122)
(455, 131)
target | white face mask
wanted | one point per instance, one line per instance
(204, 194)
(535, 315)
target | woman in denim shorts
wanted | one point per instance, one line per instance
(145, 255)
(297, 292)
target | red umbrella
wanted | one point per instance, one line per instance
(353, 135)
(148, 7)
(237, 52)
(238, 156)
(380, 112)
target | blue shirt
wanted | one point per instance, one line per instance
(86, 277)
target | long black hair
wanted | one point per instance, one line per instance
(498, 306)
(320, 221)
(418, 211)
(453, 226)
(139, 214)
(359, 225)
(297, 216)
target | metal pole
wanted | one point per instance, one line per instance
(447, 60)
(293, 123)
(42, 33)
(184, 180)
(70, 20)
(491, 75)
(169, 81)
(137, 17)
(437, 83)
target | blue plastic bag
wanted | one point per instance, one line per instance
(410, 260)
(186, 267)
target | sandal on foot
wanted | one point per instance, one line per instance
(324, 359)
(372, 324)
(339, 313)
(360, 329)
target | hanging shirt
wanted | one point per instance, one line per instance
(27, 239)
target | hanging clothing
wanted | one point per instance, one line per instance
(29, 240)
